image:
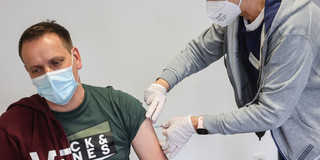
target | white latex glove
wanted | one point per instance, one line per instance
(155, 97)
(178, 131)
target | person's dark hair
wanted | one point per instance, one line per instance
(38, 30)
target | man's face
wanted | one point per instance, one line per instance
(46, 54)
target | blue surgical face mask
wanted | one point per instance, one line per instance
(57, 86)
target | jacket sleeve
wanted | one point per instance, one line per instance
(9, 148)
(198, 54)
(286, 74)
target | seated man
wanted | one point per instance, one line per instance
(66, 119)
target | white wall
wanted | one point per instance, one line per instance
(126, 44)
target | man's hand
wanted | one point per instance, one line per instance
(155, 97)
(178, 131)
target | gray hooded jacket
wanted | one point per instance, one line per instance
(288, 97)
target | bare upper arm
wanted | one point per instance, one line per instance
(146, 144)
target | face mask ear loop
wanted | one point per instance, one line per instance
(78, 77)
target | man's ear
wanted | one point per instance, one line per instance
(76, 55)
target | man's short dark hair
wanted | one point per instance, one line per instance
(38, 30)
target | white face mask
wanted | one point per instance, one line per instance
(223, 12)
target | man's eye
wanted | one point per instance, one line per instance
(36, 70)
(56, 63)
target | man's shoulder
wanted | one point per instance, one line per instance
(109, 91)
(15, 118)
(18, 113)
(91, 88)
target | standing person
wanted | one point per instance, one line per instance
(271, 52)
(66, 119)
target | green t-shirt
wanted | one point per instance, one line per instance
(104, 125)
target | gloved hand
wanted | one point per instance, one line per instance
(178, 131)
(155, 97)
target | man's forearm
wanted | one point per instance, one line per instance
(164, 83)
